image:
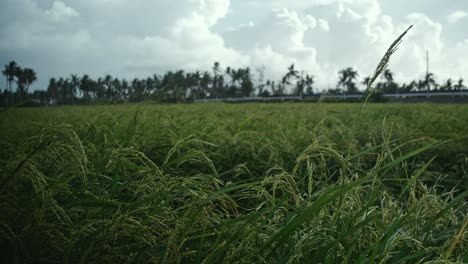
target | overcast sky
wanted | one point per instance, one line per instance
(136, 38)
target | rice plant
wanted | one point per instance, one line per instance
(226, 183)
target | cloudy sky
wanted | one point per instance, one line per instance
(136, 38)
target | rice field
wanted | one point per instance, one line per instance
(234, 183)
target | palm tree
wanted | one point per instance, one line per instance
(459, 86)
(74, 85)
(52, 90)
(124, 90)
(291, 74)
(236, 78)
(218, 81)
(447, 86)
(10, 73)
(20, 82)
(30, 76)
(309, 81)
(85, 86)
(412, 86)
(149, 87)
(137, 90)
(108, 90)
(429, 82)
(420, 85)
(300, 85)
(204, 83)
(366, 81)
(99, 88)
(346, 80)
(24, 78)
(117, 86)
(389, 86)
(247, 86)
(388, 75)
(5, 72)
(66, 90)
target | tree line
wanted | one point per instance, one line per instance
(180, 86)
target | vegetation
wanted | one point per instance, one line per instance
(221, 183)
(24, 78)
(181, 86)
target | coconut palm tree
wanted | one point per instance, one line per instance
(107, 87)
(366, 81)
(20, 83)
(346, 80)
(205, 81)
(10, 72)
(52, 90)
(291, 74)
(125, 90)
(117, 89)
(85, 86)
(30, 76)
(459, 86)
(429, 82)
(74, 85)
(218, 80)
(247, 86)
(448, 86)
(389, 86)
(309, 82)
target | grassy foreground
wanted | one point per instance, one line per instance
(219, 183)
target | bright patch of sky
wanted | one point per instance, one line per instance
(137, 38)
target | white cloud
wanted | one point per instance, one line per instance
(60, 11)
(323, 24)
(136, 38)
(456, 16)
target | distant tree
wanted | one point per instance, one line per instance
(237, 76)
(309, 82)
(218, 81)
(259, 82)
(66, 90)
(204, 83)
(150, 87)
(108, 87)
(74, 85)
(448, 86)
(300, 85)
(292, 74)
(279, 88)
(264, 92)
(346, 80)
(10, 71)
(193, 85)
(20, 83)
(421, 85)
(429, 82)
(413, 85)
(85, 86)
(459, 86)
(247, 86)
(125, 90)
(366, 81)
(98, 88)
(138, 90)
(52, 90)
(304, 85)
(30, 76)
(117, 90)
(174, 86)
(389, 86)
